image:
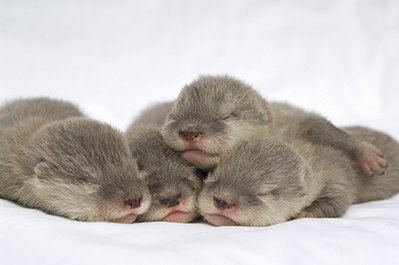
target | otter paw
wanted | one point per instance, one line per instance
(305, 214)
(371, 160)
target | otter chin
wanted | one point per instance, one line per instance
(179, 217)
(219, 220)
(127, 219)
(200, 159)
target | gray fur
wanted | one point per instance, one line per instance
(51, 110)
(226, 111)
(54, 159)
(155, 114)
(166, 173)
(267, 181)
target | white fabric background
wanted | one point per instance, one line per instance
(113, 58)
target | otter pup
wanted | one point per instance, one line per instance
(54, 159)
(155, 114)
(213, 114)
(271, 182)
(172, 182)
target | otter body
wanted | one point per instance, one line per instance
(172, 182)
(54, 159)
(155, 114)
(214, 114)
(273, 181)
(333, 181)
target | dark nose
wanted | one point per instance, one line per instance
(221, 204)
(171, 201)
(190, 136)
(133, 203)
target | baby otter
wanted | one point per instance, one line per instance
(265, 182)
(173, 183)
(155, 114)
(54, 159)
(214, 114)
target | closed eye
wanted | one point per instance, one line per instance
(232, 115)
(271, 193)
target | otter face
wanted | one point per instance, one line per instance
(173, 184)
(83, 170)
(259, 184)
(174, 189)
(211, 116)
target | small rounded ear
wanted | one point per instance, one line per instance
(305, 174)
(41, 168)
(264, 106)
(145, 176)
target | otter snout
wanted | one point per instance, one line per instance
(191, 137)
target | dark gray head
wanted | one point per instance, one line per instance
(173, 183)
(84, 170)
(211, 116)
(261, 183)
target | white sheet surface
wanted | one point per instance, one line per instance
(368, 234)
(339, 58)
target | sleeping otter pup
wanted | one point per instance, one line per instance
(173, 183)
(54, 159)
(265, 182)
(214, 114)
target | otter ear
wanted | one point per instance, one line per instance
(264, 107)
(303, 187)
(40, 169)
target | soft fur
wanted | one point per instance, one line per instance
(265, 182)
(166, 173)
(222, 112)
(54, 159)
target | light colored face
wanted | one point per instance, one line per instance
(211, 116)
(83, 170)
(123, 204)
(89, 202)
(260, 184)
(174, 189)
(245, 209)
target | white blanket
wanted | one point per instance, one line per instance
(367, 234)
(339, 58)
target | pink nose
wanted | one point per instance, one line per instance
(190, 136)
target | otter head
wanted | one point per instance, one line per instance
(173, 183)
(261, 183)
(82, 169)
(211, 116)
(174, 189)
